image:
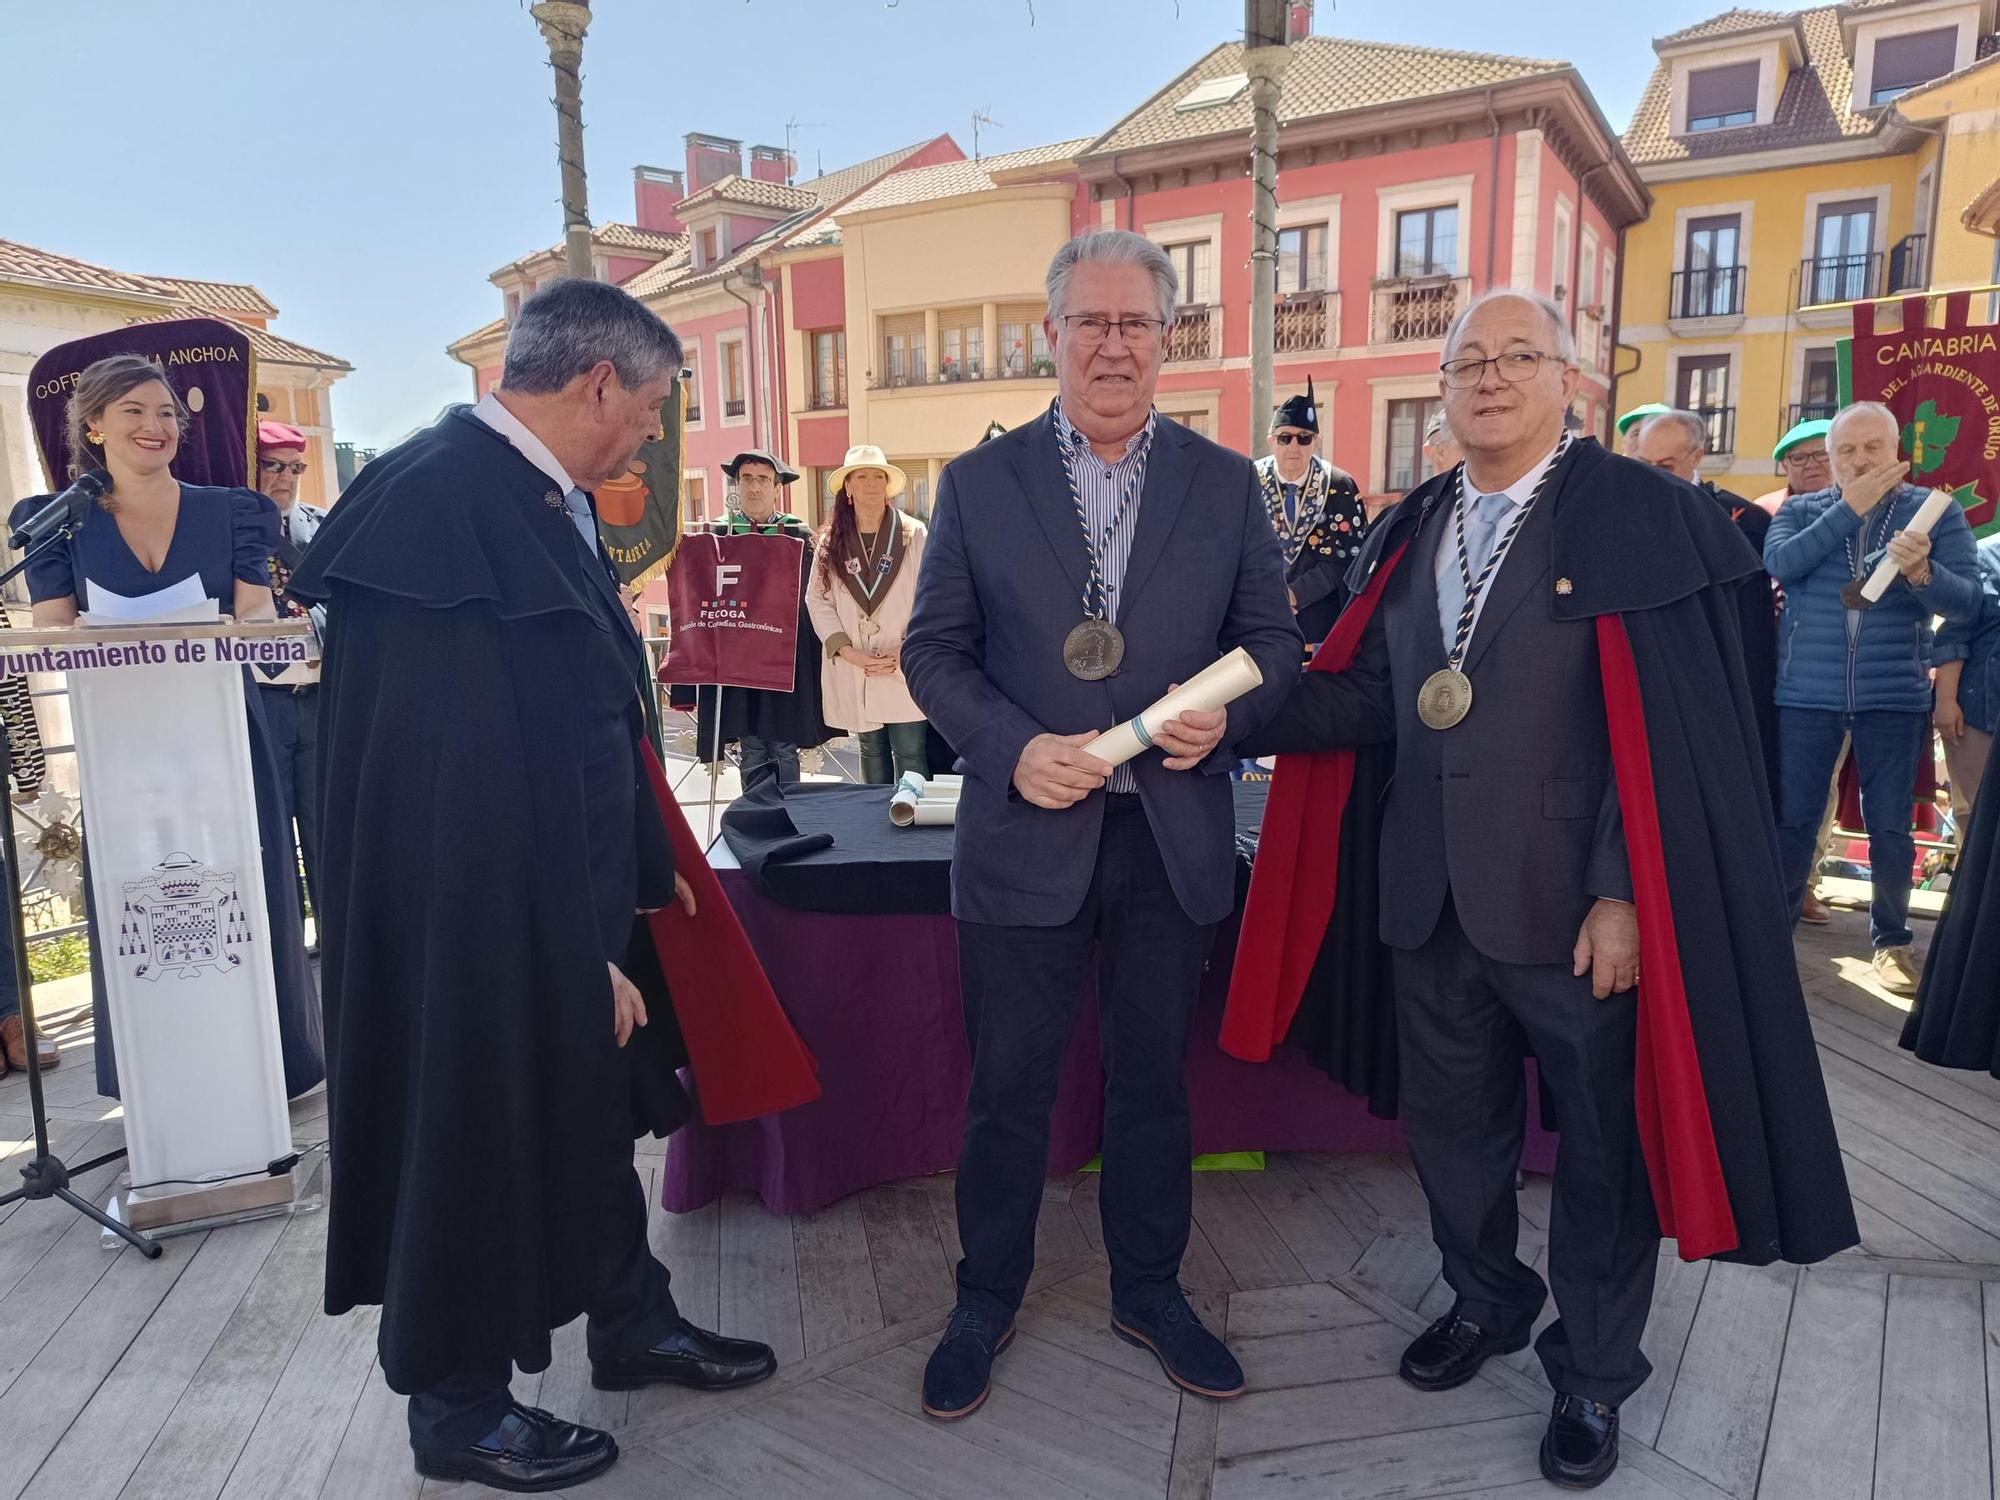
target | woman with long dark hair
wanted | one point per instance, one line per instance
(864, 587)
(146, 533)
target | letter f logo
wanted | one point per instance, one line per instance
(726, 575)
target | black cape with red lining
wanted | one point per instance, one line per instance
(1738, 1137)
(477, 1098)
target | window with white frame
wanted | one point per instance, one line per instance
(692, 376)
(1302, 259)
(1194, 264)
(1916, 57)
(735, 400)
(1719, 98)
(1403, 444)
(1427, 241)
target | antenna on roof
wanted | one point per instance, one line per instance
(792, 127)
(983, 117)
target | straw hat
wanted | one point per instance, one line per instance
(867, 456)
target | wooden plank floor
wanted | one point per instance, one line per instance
(212, 1372)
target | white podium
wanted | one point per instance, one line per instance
(177, 875)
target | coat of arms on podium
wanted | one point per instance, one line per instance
(181, 919)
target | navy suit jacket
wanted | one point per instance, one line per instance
(1002, 585)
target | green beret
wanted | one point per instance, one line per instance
(1819, 427)
(1640, 413)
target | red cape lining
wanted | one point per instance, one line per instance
(746, 1059)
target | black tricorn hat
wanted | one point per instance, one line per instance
(786, 474)
(1299, 411)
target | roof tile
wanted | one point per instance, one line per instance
(1326, 76)
(955, 179)
(1812, 111)
(27, 263)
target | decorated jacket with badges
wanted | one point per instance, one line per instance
(298, 527)
(1321, 539)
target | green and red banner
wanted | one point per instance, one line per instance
(1943, 383)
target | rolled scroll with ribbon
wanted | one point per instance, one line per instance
(925, 801)
(1215, 686)
(1869, 594)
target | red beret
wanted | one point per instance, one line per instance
(278, 435)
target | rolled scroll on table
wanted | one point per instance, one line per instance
(925, 801)
(1215, 686)
(1871, 592)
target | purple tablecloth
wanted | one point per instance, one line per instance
(876, 1000)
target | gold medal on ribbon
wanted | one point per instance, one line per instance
(1445, 699)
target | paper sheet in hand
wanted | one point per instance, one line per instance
(1215, 686)
(183, 603)
(1934, 506)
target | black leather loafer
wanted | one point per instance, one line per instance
(1450, 1352)
(531, 1451)
(1580, 1449)
(688, 1356)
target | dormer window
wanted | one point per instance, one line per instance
(705, 254)
(1916, 57)
(1719, 98)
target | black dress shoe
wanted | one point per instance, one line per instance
(1451, 1350)
(688, 1356)
(529, 1452)
(1580, 1449)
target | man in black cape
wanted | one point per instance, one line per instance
(1316, 511)
(491, 837)
(1551, 639)
(770, 727)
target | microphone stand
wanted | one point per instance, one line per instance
(46, 1175)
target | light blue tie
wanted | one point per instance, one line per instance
(580, 516)
(1482, 526)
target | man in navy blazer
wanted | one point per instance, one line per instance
(1100, 537)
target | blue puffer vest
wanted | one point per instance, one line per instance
(1853, 661)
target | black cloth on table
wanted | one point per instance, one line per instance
(832, 848)
(1955, 1022)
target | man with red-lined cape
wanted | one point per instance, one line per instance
(522, 943)
(1544, 669)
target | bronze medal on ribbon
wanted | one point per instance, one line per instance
(1093, 650)
(1445, 699)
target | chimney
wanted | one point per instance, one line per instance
(710, 158)
(771, 164)
(655, 193)
(1298, 20)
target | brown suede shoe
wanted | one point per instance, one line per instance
(14, 1042)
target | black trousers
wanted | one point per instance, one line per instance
(632, 1310)
(1464, 1021)
(1023, 987)
(293, 717)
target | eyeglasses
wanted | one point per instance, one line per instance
(1806, 460)
(1286, 439)
(1515, 366)
(279, 466)
(1138, 333)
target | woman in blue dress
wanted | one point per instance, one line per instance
(150, 532)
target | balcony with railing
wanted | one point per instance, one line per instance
(1307, 322)
(1192, 336)
(734, 408)
(693, 411)
(1810, 411)
(1839, 278)
(1707, 292)
(960, 371)
(1721, 424)
(1909, 263)
(1415, 309)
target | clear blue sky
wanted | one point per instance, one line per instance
(368, 162)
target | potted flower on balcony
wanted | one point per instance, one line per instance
(948, 370)
(1043, 365)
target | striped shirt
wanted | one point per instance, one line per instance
(1102, 487)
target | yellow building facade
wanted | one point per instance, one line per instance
(1800, 162)
(942, 275)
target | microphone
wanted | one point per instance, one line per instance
(64, 510)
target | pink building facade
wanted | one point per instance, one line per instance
(1409, 181)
